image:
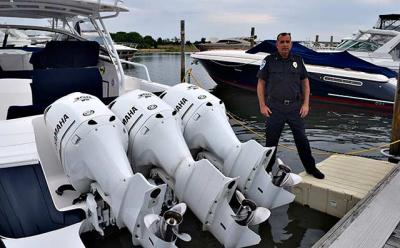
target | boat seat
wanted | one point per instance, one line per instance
(50, 84)
(15, 74)
(26, 48)
(26, 207)
(66, 54)
(15, 112)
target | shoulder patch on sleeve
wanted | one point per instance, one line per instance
(263, 63)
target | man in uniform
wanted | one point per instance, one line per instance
(283, 93)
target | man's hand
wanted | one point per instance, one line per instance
(304, 110)
(265, 110)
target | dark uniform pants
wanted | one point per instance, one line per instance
(289, 114)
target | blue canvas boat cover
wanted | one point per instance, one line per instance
(334, 59)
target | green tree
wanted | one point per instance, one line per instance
(176, 41)
(135, 37)
(119, 37)
(149, 42)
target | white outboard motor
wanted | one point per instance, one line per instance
(91, 144)
(205, 126)
(155, 138)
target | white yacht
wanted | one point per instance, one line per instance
(14, 38)
(238, 43)
(379, 45)
(75, 172)
(124, 52)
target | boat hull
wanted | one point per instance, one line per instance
(215, 46)
(324, 87)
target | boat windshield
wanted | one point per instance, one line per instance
(89, 32)
(365, 42)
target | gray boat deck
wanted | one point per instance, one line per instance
(373, 222)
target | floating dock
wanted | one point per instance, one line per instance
(348, 179)
(373, 222)
(367, 191)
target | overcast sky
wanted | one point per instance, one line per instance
(230, 18)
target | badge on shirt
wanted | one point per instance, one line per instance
(295, 64)
(263, 64)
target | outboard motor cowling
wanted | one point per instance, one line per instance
(205, 126)
(91, 143)
(155, 138)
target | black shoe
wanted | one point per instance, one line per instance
(316, 173)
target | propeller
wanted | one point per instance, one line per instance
(248, 212)
(166, 227)
(169, 224)
(283, 166)
(284, 177)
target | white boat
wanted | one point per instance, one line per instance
(14, 38)
(238, 43)
(76, 173)
(379, 45)
(334, 77)
(124, 52)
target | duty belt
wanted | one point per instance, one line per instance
(285, 101)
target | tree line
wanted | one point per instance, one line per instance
(145, 41)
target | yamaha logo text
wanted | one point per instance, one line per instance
(129, 115)
(60, 125)
(180, 104)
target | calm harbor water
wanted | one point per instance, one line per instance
(329, 127)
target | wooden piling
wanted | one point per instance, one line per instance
(252, 38)
(395, 148)
(182, 50)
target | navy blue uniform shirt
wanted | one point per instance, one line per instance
(282, 76)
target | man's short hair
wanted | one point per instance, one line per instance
(283, 34)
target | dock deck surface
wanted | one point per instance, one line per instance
(348, 179)
(373, 221)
